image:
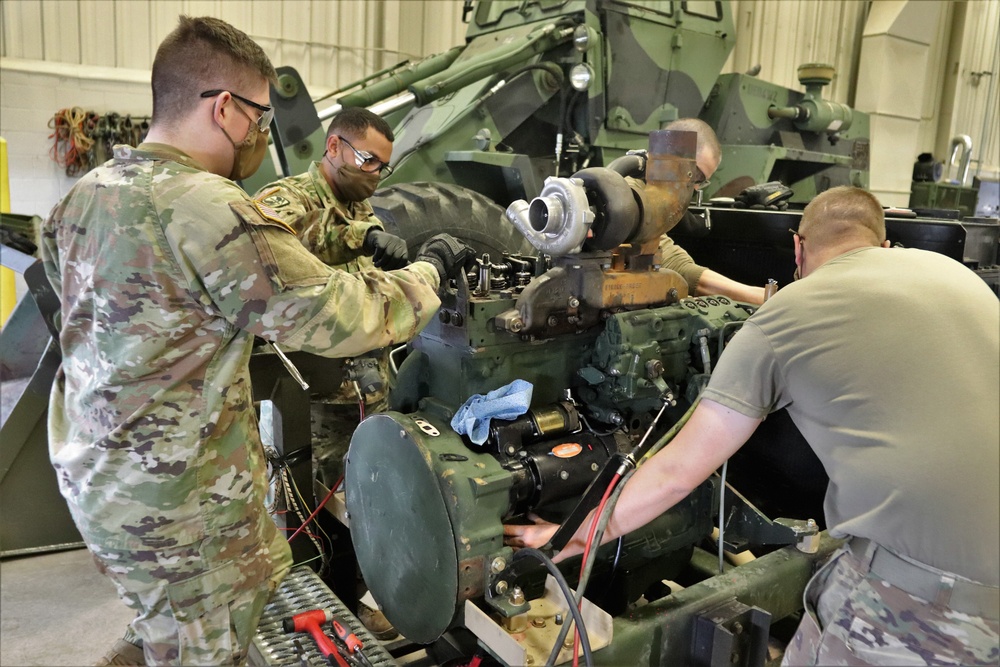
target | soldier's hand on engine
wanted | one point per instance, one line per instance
(388, 250)
(448, 255)
(533, 535)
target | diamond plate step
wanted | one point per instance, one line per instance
(301, 591)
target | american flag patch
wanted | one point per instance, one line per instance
(269, 213)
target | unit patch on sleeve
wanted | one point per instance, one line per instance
(275, 201)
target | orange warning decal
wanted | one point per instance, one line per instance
(567, 450)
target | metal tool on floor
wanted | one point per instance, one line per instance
(311, 621)
(301, 652)
(301, 590)
(351, 641)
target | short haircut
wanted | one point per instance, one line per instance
(355, 121)
(842, 214)
(707, 141)
(204, 53)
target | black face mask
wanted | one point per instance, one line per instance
(354, 185)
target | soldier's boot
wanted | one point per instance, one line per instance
(123, 653)
(376, 622)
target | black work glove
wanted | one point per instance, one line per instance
(771, 195)
(447, 254)
(388, 251)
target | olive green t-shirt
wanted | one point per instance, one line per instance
(888, 361)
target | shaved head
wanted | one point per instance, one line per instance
(843, 215)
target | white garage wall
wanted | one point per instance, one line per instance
(329, 42)
(976, 68)
(780, 36)
(96, 54)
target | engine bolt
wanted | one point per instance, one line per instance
(517, 596)
(563, 474)
(574, 302)
(594, 467)
(538, 622)
(498, 565)
(501, 587)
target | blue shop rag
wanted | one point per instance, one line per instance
(507, 402)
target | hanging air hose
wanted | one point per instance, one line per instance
(84, 139)
(71, 141)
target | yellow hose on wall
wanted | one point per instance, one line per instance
(8, 292)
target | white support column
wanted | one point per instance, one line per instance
(899, 85)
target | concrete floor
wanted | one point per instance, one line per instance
(56, 609)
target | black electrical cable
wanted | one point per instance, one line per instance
(596, 432)
(570, 600)
(588, 567)
(605, 519)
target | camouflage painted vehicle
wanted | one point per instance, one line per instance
(548, 87)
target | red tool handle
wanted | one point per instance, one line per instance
(325, 644)
(339, 660)
(350, 639)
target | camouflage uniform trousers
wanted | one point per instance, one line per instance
(333, 424)
(194, 605)
(853, 617)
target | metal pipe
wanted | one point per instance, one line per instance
(379, 109)
(669, 182)
(964, 142)
(792, 113)
(362, 82)
(329, 112)
(491, 62)
(401, 80)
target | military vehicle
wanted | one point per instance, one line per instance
(548, 87)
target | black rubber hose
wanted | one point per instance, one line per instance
(568, 594)
(629, 165)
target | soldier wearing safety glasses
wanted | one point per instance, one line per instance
(166, 271)
(328, 208)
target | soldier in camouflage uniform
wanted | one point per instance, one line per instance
(167, 270)
(913, 472)
(701, 280)
(328, 208)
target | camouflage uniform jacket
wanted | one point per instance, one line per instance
(332, 230)
(166, 272)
